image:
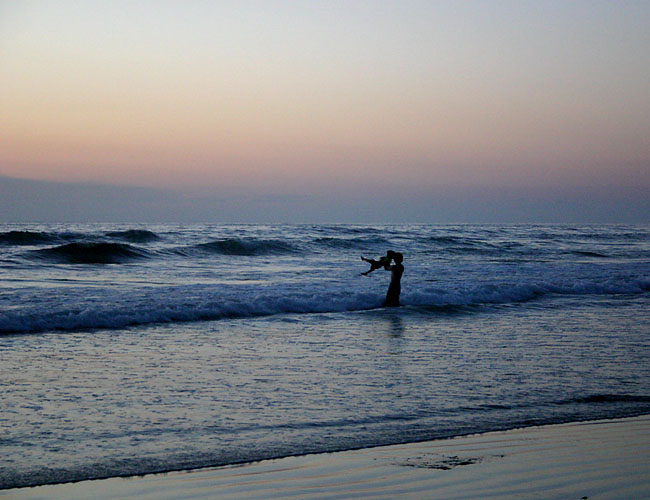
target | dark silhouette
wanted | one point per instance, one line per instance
(381, 262)
(395, 287)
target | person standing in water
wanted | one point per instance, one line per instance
(395, 287)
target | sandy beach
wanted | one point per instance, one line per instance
(605, 459)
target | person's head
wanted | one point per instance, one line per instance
(398, 257)
(390, 254)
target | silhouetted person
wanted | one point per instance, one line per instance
(381, 262)
(395, 287)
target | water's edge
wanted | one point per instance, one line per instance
(526, 424)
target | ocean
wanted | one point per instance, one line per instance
(128, 349)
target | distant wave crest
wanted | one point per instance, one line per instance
(26, 238)
(134, 235)
(241, 246)
(359, 243)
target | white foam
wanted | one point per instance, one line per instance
(115, 309)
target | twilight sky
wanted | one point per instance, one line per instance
(332, 110)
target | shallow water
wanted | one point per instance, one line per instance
(207, 345)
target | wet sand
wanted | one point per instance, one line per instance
(607, 459)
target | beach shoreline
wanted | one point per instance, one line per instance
(605, 459)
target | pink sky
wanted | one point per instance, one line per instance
(306, 96)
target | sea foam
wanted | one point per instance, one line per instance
(113, 309)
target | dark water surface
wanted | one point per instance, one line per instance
(127, 350)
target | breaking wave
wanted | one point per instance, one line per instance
(209, 302)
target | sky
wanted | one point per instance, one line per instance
(336, 111)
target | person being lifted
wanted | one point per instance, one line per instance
(380, 262)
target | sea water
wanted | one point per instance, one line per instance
(128, 349)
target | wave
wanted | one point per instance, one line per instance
(27, 238)
(194, 303)
(134, 235)
(628, 236)
(344, 229)
(332, 242)
(606, 399)
(450, 240)
(240, 247)
(91, 253)
(298, 438)
(175, 305)
(503, 293)
(585, 253)
(457, 245)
